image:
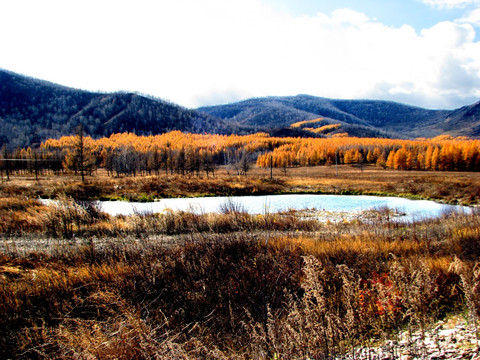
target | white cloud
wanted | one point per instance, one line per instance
(348, 16)
(208, 51)
(473, 17)
(449, 4)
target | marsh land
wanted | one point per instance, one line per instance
(79, 283)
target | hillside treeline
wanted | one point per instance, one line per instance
(185, 153)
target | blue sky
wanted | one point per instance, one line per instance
(205, 52)
(396, 13)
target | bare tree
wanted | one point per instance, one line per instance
(244, 162)
(6, 164)
(238, 160)
(80, 150)
(126, 161)
(80, 158)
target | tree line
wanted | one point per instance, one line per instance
(131, 155)
(191, 154)
(442, 153)
(30, 162)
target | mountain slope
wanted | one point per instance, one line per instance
(462, 122)
(33, 110)
(359, 117)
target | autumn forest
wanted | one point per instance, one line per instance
(185, 153)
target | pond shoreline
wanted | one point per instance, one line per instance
(142, 198)
(321, 206)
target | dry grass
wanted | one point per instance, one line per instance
(21, 214)
(68, 218)
(449, 187)
(229, 285)
(452, 187)
(249, 292)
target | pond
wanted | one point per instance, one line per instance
(407, 209)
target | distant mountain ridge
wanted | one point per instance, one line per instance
(464, 121)
(357, 117)
(33, 110)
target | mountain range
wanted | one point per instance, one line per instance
(363, 118)
(33, 110)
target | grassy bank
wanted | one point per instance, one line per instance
(449, 187)
(76, 283)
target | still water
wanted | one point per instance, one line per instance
(410, 209)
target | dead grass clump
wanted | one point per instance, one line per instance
(16, 188)
(182, 222)
(187, 222)
(119, 333)
(17, 204)
(66, 218)
(328, 317)
(469, 273)
(234, 221)
(365, 252)
(419, 291)
(83, 191)
(465, 243)
(20, 215)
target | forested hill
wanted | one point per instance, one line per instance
(33, 110)
(358, 117)
(463, 121)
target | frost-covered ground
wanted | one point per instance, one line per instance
(449, 339)
(385, 214)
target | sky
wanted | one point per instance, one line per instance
(208, 52)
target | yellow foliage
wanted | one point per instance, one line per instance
(441, 153)
(306, 122)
